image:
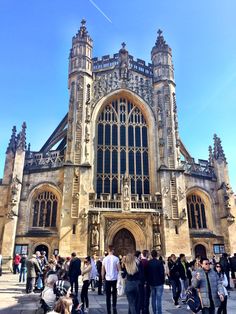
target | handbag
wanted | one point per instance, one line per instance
(120, 285)
(193, 300)
(39, 283)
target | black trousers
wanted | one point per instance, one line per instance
(144, 296)
(111, 290)
(223, 307)
(208, 310)
(100, 284)
(176, 290)
(84, 293)
(74, 285)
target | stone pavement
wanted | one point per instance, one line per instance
(13, 300)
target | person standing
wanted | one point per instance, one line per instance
(110, 270)
(223, 306)
(74, 273)
(131, 271)
(209, 287)
(225, 264)
(99, 271)
(23, 268)
(174, 278)
(86, 273)
(183, 273)
(156, 279)
(233, 268)
(16, 264)
(145, 288)
(33, 269)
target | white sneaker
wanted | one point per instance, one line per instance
(177, 306)
(85, 310)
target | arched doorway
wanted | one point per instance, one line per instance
(41, 247)
(124, 242)
(200, 250)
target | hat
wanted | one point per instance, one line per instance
(62, 287)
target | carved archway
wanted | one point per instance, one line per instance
(124, 242)
(137, 232)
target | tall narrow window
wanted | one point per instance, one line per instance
(122, 148)
(196, 212)
(45, 210)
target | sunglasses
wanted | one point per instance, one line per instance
(218, 266)
(207, 263)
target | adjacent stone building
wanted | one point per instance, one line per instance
(115, 170)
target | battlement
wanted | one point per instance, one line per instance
(108, 62)
(202, 168)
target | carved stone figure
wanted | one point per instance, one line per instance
(95, 236)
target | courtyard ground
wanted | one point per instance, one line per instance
(13, 300)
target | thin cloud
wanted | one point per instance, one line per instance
(94, 4)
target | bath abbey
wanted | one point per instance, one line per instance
(115, 170)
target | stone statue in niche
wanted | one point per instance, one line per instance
(95, 237)
(126, 193)
(156, 238)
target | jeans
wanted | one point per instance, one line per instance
(156, 292)
(74, 284)
(30, 283)
(22, 274)
(84, 293)
(111, 289)
(184, 286)
(16, 269)
(132, 293)
(208, 310)
(176, 289)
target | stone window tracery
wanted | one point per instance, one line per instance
(122, 148)
(196, 212)
(45, 210)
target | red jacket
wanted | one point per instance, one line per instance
(17, 259)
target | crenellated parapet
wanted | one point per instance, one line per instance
(201, 169)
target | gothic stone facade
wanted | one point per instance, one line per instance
(115, 170)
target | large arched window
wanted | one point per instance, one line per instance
(45, 210)
(196, 212)
(122, 148)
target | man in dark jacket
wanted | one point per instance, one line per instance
(233, 268)
(183, 274)
(74, 273)
(174, 277)
(225, 264)
(209, 286)
(156, 279)
(145, 293)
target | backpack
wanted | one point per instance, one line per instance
(193, 300)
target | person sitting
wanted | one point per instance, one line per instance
(62, 306)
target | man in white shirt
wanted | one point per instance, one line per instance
(110, 270)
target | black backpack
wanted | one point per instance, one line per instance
(193, 300)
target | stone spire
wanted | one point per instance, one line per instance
(12, 143)
(80, 59)
(162, 60)
(160, 42)
(21, 138)
(210, 159)
(218, 149)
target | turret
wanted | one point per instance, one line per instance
(162, 60)
(80, 59)
(10, 156)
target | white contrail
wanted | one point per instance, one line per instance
(94, 4)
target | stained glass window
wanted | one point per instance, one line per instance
(196, 212)
(45, 210)
(122, 148)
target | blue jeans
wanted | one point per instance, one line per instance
(157, 292)
(22, 274)
(132, 293)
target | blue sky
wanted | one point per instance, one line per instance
(35, 39)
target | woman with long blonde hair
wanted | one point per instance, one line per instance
(131, 271)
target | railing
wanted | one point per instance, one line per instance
(36, 160)
(105, 201)
(200, 169)
(108, 61)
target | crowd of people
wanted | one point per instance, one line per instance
(140, 276)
